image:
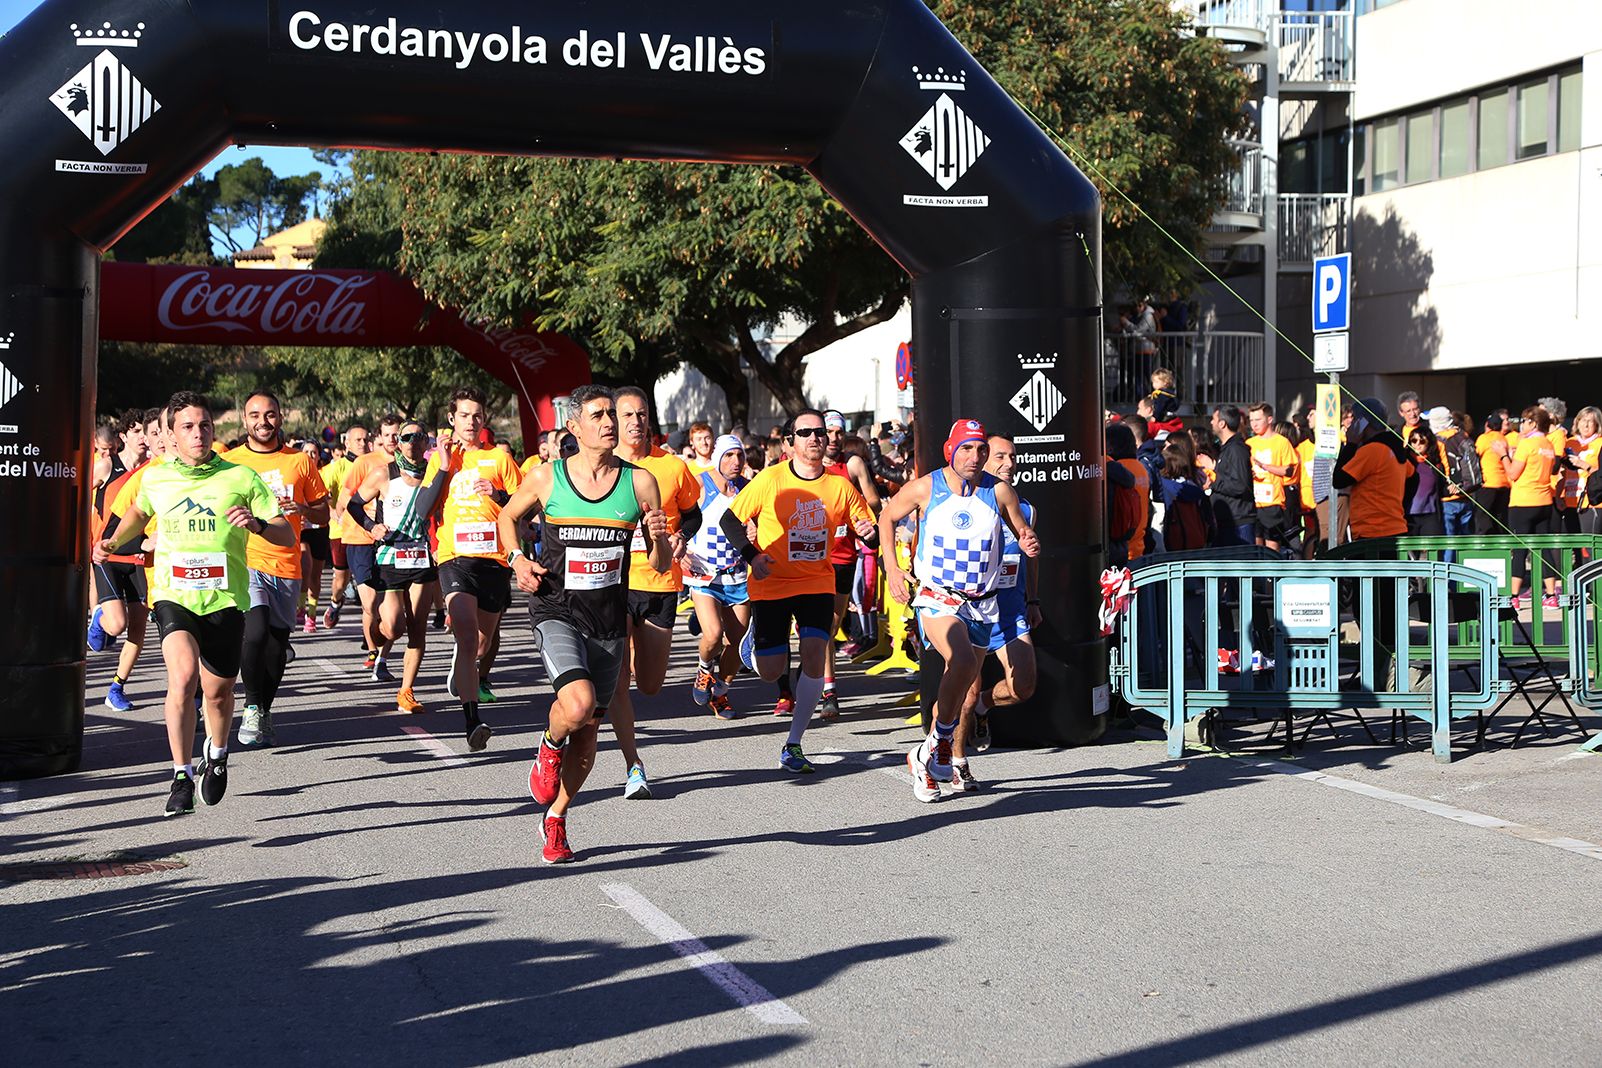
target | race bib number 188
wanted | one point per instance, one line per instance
(476, 539)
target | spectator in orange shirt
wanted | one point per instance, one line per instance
(1529, 509)
(1374, 467)
(1491, 515)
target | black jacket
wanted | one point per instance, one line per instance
(1233, 503)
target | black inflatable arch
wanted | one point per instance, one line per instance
(105, 108)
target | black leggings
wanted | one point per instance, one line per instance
(1492, 510)
(265, 652)
(1531, 519)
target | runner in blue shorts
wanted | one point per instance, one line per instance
(715, 575)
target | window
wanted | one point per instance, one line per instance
(1296, 167)
(1532, 128)
(1493, 130)
(1420, 146)
(1360, 161)
(1387, 154)
(1568, 117)
(1454, 157)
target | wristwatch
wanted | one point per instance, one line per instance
(513, 554)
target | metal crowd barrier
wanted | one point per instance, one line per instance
(1281, 621)
(1585, 652)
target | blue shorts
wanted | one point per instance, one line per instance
(1013, 606)
(979, 615)
(729, 593)
(362, 560)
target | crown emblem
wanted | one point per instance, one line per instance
(7, 339)
(940, 81)
(107, 36)
(1037, 362)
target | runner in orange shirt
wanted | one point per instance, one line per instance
(121, 590)
(361, 555)
(274, 569)
(1275, 465)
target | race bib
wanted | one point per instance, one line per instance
(1009, 572)
(638, 545)
(476, 539)
(198, 572)
(840, 531)
(411, 559)
(594, 569)
(275, 482)
(1263, 493)
(806, 546)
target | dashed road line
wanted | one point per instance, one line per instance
(436, 748)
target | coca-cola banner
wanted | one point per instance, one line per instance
(228, 306)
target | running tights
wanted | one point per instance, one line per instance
(265, 650)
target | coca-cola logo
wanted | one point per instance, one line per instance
(530, 350)
(310, 303)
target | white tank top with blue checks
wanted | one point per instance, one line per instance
(959, 538)
(710, 545)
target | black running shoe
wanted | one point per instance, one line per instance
(181, 799)
(829, 706)
(213, 772)
(478, 734)
(981, 731)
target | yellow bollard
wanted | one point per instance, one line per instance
(898, 624)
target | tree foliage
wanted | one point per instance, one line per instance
(252, 202)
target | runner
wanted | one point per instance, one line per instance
(406, 571)
(653, 593)
(356, 446)
(701, 446)
(274, 569)
(111, 465)
(1018, 612)
(314, 552)
(797, 507)
(590, 506)
(715, 575)
(473, 571)
(206, 508)
(122, 593)
(843, 556)
(361, 556)
(962, 512)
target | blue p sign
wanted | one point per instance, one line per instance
(1332, 290)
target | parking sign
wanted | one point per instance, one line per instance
(1332, 291)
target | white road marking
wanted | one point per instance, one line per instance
(1435, 808)
(442, 752)
(10, 794)
(746, 992)
(331, 668)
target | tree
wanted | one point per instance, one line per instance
(177, 231)
(1133, 90)
(251, 200)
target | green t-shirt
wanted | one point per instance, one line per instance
(200, 556)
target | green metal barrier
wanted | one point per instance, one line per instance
(1585, 652)
(1546, 631)
(1183, 612)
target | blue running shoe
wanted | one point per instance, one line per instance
(791, 758)
(637, 788)
(748, 649)
(98, 638)
(116, 700)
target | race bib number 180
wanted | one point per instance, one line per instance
(594, 569)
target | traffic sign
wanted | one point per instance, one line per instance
(1331, 352)
(1332, 291)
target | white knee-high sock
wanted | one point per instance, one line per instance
(808, 689)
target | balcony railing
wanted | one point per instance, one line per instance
(1312, 225)
(1245, 193)
(1215, 367)
(1314, 46)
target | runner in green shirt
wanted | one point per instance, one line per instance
(205, 509)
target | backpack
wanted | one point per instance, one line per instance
(1463, 467)
(1126, 508)
(1184, 527)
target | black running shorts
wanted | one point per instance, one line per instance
(813, 614)
(317, 543)
(660, 609)
(120, 582)
(219, 634)
(489, 582)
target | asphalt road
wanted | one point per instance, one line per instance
(370, 893)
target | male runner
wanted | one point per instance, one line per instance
(406, 570)
(701, 445)
(473, 571)
(590, 505)
(121, 589)
(797, 506)
(206, 507)
(356, 446)
(715, 574)
(361, 556)
(843, 556)
(653, 594)
(962, 511)
(126, 435)
(274, 569)
(1018, 612)
(314, 552)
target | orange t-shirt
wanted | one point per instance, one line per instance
(796, 519)
(1137, 540)
(1587, 456)
(680, 490)
(1490, 463)
(1268, 491)
(1377, 494)
(1565, 482)
(352, 532)
(1533, 486)
(1304, 453)
(291, 475)
(468, 521)
(121, 491)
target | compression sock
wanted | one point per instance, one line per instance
(944, 731)
(807, 691)
(470, 712)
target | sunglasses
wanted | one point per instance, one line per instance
(407, 439)
(810, 432)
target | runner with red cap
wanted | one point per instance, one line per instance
(962, 513)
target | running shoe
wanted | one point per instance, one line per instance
(439, 619)
(722, 707)
(791, 758)
(924, 787)
(255, 729)
(720, 687)
(98, 638)
(637, 789)
(478, 734)
(406, 701)
(486, 696)
(331, 615)
(1520, 602)
(545, 776)
(381, 672)
(213, 772)
(981, 731)
(748, 649)
(289, 655)
(1549, 601)
(962, 779)
(181, 798)
(116, 700)
(785, 706)
(553, 832)
(310, 626)
(851, 649)
(939, 757)
(369, 661)
(702, 690)
(829, 706)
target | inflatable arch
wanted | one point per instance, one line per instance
(106, 107)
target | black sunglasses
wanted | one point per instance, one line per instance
(407, 439)
(810, 432)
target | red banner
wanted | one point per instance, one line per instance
(324, 309)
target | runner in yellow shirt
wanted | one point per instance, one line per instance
(1275, 465)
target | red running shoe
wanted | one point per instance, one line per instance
(545, 777)
(553, 831)
(785, 706)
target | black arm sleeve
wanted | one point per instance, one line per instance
(733, 528)
(428, 497)
(690, 521)
(356, 508)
